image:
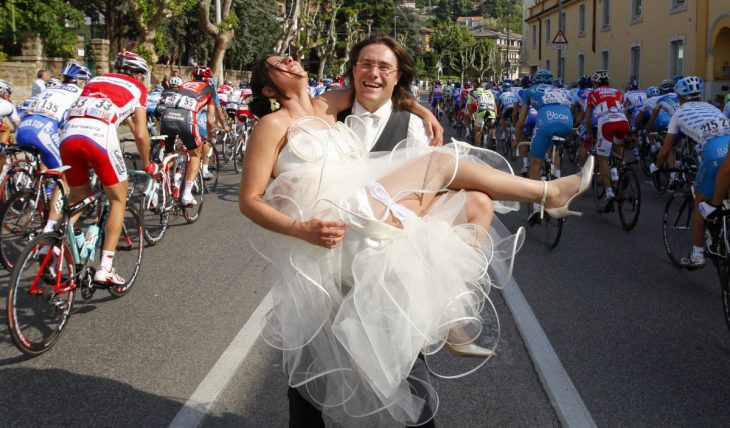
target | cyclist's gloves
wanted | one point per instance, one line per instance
(152, 168)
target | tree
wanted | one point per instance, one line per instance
(222, 32)
(351, 31)
(258, 28)
(327, 27)
(50, 18)
(485, 52)
(456, 45)
(148, 16)
(291, 27)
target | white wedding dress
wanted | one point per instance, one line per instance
(352, 321)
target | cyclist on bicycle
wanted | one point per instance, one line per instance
(666, 105)
(606, 104)
(193, 102)
(529, 126)
(436, 99)
(223, 91)
(39, 127)
(89, 139)
(505, 105)
(483, 110)
(635, 99)
(7, 111)
(707, 126)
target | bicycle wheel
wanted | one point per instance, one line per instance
(192, 212)
(41, 294)
(646, 157)
(214, 168)
(155, 216)
(553, 230)
(227, 147)
(723, 272)
(628, 199)
(15, 181)
(128, 255)
(676, 226)
(21, 219)
(238, 156)
(598, 190)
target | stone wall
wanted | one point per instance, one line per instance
(159, 71)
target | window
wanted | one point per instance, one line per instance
(547, 64)
(561, 67)
(606, 18)
(636, 61)
(581, 65)
(548, 36)
(582, 19)
(678, 5)
(534, 36)
(676, 57)
(635, 9)
(604, 60)
(561, 22)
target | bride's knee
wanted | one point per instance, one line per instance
(479, 208)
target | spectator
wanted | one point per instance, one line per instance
(165, 82)
(39, 85)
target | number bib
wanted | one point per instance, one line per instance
(555, 96)
(98, 108)
(44, 107)
(181, 101)
(715, 127)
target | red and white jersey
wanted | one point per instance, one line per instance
(223, 93)
(605, 100)
(110, 98)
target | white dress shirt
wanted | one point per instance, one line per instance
(415, 124)
(39, 85)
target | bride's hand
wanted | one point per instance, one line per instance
(324, 233)
(434, 130)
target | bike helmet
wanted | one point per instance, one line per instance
(689, 86)
(158, 88)
(468, 84)
(527, 81)
(600, 77)
(337, 78)
(75, 71)
(201, 72)
(311, 82)
(327, 81)
(53, 82)
(175, 81)
(653, 91)
(633, 85)
(5, 88)
(543, 76)
(559, 83)
(130, 63)
(227, 82)
(243, 84)
(585, 82)
(677, 78)
(727, 99)
(506, 86)
(666, 86)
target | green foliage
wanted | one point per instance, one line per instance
(146, 51)
(49, 18)
(507, 13)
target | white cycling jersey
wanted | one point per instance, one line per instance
(650, 103)
(726, 111)
(54, 101)
(7, 109)
(699, 121)
(635, 100)
(507, 99)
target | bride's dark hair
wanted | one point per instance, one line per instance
(261, 105)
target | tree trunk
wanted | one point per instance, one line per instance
(291, 26)
(222, 38)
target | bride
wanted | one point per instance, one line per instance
(374, 257)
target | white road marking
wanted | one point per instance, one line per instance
(199, 404)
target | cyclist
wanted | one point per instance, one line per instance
(455, 116)
(708, 127)
(185, 108)
(529, 124)
(726, 109)
(223, 91)
(505, 105)
(635, 99)
(7, 111)
(38, 129)
(606, 104)
(464, 107)
(665, 106)
(483, 110)
(89, 139)
(554, 118)
(585, 86)
(436, 99)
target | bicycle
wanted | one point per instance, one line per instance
(55, 265)
(677, 215)
(165, 197)
(507, 139)
(628, 191)
(17, 173)
(240, 148)
(717, 249)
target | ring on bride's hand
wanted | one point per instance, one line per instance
(330, 240)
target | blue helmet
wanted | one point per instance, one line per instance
(506, 86)
(527, 81)
(5, 88)
(585, 82)
(653, 91)
(76, 71)
(666, 86)
(677, 78)
(327, 81)
(543, 76)
(633, 85)
(689, 86)
(559, 83)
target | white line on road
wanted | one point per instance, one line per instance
(199, 404)
(565, 399)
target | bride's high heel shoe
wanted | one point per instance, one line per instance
(585, 180)
(470, 350)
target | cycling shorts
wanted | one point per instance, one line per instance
(40, 133)
(662, 121)
(530, 121)
(182, 123)
(485, 116)
(91, 143)
(435, 101)
(507, 112)
(611, 127)
(552, 120)
(713, 155)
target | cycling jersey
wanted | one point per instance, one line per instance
(7, 109)
(507, 102)
(708, 127)
(39, 127)
(608, 109)
(483, 98)
(153, 98)
(726, 110)
(223, 92)
(89, 137)
(634, 101)
(554, 117)
(662, 118)
(668, 103)
(183, 112)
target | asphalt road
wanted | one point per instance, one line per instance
(644, 343)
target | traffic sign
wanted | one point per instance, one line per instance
(559, 41)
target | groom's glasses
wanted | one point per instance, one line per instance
(383, 69)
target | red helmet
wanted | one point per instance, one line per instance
(468, 84)
(202, 72)
(337, 78)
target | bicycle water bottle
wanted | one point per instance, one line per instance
(176, 184)
(614, 175)
(89, 247)
(50, 185)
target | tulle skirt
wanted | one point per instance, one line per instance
(352, 321)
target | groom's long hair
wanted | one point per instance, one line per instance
(402, 91)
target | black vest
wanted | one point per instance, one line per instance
(395, 131)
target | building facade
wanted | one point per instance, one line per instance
(650, 40)
(510, 47)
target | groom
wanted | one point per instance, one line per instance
(380, 71)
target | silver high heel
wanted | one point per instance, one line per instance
(585, 180)
(470, 350)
